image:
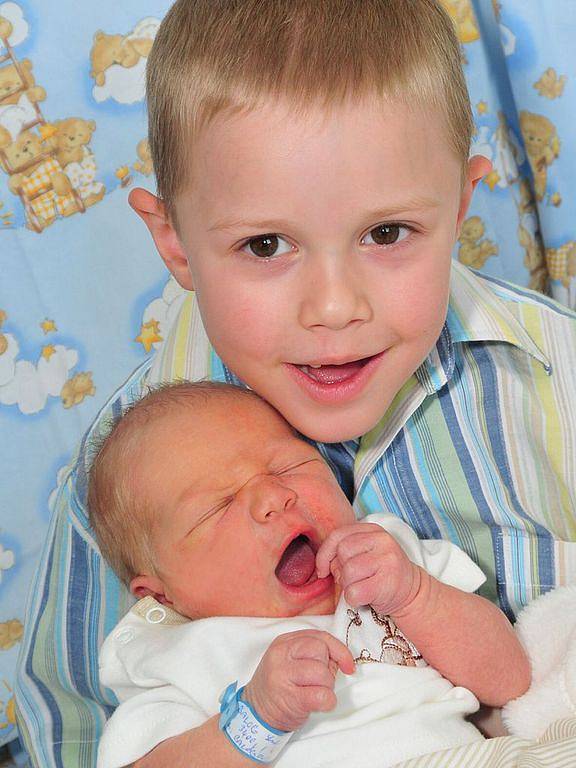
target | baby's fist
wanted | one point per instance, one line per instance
(296, 677)
(370, 567)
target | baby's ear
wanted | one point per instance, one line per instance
(152, 211)
(149, 586)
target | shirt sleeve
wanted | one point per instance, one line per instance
(74, 602)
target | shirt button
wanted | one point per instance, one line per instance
(124, 636)
(155, 615)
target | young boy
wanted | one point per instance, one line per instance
(209, 505)
(312, 164)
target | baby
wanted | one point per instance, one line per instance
(253, 540)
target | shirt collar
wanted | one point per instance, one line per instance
(477, 311)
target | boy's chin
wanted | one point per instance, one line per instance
(333, 429)
(336, 435)
(339, 423)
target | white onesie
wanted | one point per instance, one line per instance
(168, 673)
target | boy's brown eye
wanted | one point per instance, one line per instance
(264, 246)
(386, 234)
(267, 247)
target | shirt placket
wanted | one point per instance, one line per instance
(430, 377)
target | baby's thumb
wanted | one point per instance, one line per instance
(340, 658)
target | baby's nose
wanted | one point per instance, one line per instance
(267, 495)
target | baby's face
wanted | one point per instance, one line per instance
(240, 506)
(319, 248)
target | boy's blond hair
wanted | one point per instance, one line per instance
(211, 56)
(119, 515)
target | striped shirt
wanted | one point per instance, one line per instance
(479, 447)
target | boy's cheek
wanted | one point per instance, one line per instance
(253, 300)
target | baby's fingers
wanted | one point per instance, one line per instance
(309, 672)
(315, 644)
(317, 698)
(330, 546)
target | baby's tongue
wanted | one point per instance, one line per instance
(297, 564)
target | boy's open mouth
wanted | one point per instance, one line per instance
(297, 566)
(334, 374)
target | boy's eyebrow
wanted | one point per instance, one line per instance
(263, 225)
(407, 206)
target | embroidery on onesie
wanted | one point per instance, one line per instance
(386, 644)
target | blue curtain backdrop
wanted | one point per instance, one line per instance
(83, 297)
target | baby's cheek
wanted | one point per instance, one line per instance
(330, 507)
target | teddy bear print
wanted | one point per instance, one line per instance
(70, 143)
(37, 177)
(13, 81)
(561, 263)
(76, 389)
(144, 164)
(70, 136)
(3, 339)
(10, 633)
(462, 14)
(527, 204)
(108, 50)
(124, 50)
(551, 84)
(6, 28)
(19, 96)
(534, 259)
(474, 251)
(542, 145)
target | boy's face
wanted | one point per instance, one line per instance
(319, 249)
(240, 506)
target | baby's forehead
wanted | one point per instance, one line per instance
(242, 417)
(232, 411)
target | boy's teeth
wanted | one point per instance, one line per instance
(332, 374)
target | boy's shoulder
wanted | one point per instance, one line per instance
(509, 292)
(486, 308)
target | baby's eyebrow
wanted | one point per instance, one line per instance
(207, 514)
(225, 500)
(296, 464)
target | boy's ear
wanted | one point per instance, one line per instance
(478, 167)
(152, 211)
(143, 586)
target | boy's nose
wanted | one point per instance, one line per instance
(334, 294)
(266, 496)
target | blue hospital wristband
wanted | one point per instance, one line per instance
(248, 733)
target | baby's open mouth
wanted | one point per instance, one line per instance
(297, 566)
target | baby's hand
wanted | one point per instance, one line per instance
(370, 567)
(296, 677)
